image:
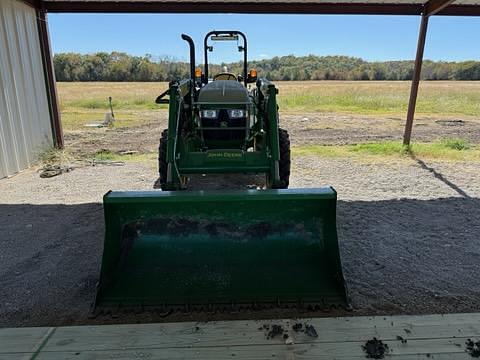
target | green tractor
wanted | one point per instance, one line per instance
(207, 249)
(218, 125)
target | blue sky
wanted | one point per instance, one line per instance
(368, 37)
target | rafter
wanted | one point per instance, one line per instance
(432, 7)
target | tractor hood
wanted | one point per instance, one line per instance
(224, 92)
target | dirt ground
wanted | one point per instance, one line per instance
(314, 128)
(408, 233)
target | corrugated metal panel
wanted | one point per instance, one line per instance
(25, 127)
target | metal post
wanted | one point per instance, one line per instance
(50, 82)
(415, 80)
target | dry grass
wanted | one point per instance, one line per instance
(380, 97)
(100, 91)
(83, 103)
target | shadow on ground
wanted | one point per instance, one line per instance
(399, 257)
(439, 176)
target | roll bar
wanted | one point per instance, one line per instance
(226, 32)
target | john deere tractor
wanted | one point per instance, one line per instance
(218, 125)
(206, 249)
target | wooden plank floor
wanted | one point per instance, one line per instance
(428, 337)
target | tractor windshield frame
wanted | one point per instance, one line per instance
(230, 33)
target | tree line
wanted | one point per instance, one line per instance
(118, 66)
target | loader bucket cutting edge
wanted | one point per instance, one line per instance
(217, 247)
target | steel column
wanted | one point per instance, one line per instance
(50, 82)
(432, 7)
(415, 79)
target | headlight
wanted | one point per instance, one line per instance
(209, 114)
(236, 113)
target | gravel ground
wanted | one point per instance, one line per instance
(408, 232)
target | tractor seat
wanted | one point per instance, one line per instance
(225, 76)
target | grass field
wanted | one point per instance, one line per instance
(447, 149)
(87, 102)
(380, 97)
(380, 105)
(83, 103)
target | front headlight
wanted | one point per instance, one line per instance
(236, 113)
(209, 114)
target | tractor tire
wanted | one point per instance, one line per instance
(162, 159)
(284, 163)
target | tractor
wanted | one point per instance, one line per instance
(221, 248)
(219, 124)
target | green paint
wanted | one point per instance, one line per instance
(174, 248)
(237, 247)
(190, 150)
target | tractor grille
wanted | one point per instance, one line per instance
(223, 122)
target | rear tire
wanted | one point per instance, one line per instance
(284, 163)
(162, 158)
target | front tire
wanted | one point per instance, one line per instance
(284, 163)
(162, 159)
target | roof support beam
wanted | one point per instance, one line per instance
(50, 82)
(435, 6)
(415, 80)
(461, 10)
(254, 7)
(33, 3)
(239, 7)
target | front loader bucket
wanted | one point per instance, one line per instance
(172, 249)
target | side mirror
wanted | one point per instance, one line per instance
(240, 78)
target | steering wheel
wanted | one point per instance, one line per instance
(225, 76)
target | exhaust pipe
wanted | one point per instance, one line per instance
(191, 44)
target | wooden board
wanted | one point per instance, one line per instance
(23, 343)
(431, 336)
